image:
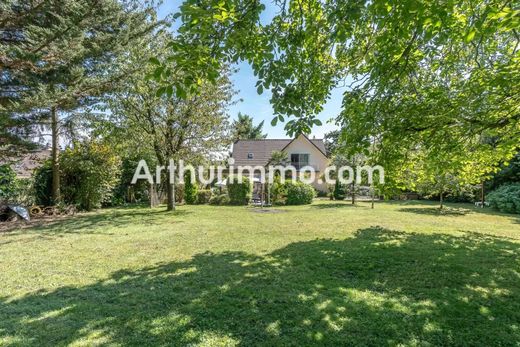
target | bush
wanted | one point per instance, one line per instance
(89, 174)
(24, 192)
(278, 192)
(190, 189)
(203, 196)
(322, 194)
(239, 193)
(506, 198)
(42, 177)
(222, 199)
(299, 193)
(339, 191)
(125, 191)
(7, 182)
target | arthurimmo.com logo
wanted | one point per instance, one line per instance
(206, 175)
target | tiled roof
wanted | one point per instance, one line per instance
(262, 149)
(24, 165)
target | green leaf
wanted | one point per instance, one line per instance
(160, 92)
(260, 89)
(274, 121)
(317, 122)
(169, 91)
(470, 35)
(157, 72)
(180, 92)
(154, 61)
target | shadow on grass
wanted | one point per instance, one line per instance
(85, 223)
(333, 205)
(434, 205)
(436, 211)
(380, 287)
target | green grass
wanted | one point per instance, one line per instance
(329, 273)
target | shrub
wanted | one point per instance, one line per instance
(203, 196)
(239, 193)
(299, 193)
(42, 177)
(464, 193)
(278, 192)
(190, 189)
(339, 191)
(506, 198)
(15, 190)
(222, 199)
(322, 194)
(7, 182)
(125, 191)
(89, 173)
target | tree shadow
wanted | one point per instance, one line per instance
(380, 287)
(86, 223)
(436, 211)
(334, 205)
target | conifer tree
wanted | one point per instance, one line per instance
(57, 57)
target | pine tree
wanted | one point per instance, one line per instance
(243, 128)
(58, 56)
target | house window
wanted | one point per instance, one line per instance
(299, 160)
(249, 155)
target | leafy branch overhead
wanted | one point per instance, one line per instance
(440, 75)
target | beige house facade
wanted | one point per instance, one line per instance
(301, 152)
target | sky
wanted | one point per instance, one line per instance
(258, 105)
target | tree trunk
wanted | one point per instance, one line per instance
(171, 192)
(56, 196)
(171, 197)
(353, 193)
(373, 192)
(440, 198)
(482, 196)
(153, 195)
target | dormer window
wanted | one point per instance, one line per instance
(249, 155)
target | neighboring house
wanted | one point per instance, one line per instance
(25, 164)
(301, 151)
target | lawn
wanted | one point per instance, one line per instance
(329, 273)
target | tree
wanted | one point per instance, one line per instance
(509, 173)
(244, 129)
(422, 72)
(332, 141)
(173, 126)
(278, 158)
(59, 56)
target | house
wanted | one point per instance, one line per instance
(25, 164)
(301, 151)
